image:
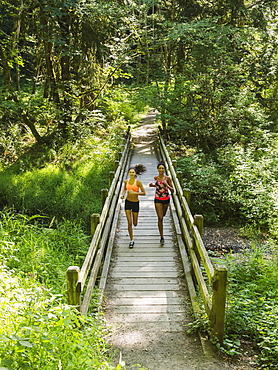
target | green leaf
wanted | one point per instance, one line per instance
(26, 344)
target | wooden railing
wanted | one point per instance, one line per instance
(101, 226)
(198, 268)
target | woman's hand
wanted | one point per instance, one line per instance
(151, 185)
(169, 186)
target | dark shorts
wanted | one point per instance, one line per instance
(132, 206)
(166, 201)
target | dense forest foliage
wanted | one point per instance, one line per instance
(74, 75)
(210, 70)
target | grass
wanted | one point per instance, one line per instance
(38, 331)
(47, 196)
(35, 321)
(252, 306)
(68, 186)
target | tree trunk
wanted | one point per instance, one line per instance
(29, 122)
(48, 46)
(7, 81)
(64, 23)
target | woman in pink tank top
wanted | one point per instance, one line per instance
(132, 187)
(163, 184)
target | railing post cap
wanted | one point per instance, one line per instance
(221, 268)
(73, 268)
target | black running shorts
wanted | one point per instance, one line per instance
(166, 201)
(132, 206)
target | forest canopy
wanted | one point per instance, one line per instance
(210, 69)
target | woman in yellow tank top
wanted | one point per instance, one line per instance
(132, 187)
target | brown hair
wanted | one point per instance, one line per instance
(138, 168)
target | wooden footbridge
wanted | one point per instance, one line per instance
(149, 292)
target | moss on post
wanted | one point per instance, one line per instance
(104, 193)
(187, 195)
(111, 177)
(219, 287)
(94, 222)
(199, 222)
(73, 290)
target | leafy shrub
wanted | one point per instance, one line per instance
(122, 104)
(209, 188)
(252, 307)
(236, 184)
(254, 186)
(40, 252)
(37, 331)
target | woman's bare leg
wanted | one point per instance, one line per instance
(135, 218)
(129, 223)
(159, 212)
(165, 207)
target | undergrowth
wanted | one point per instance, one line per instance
(252, 306)
(47, 194)
(38, 331)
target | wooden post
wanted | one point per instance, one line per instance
(116, 164)
(175, 164)
(94, 222)
(199, 222)
(111, 177)
(127, 132)
(104, 193)
(179, 176)
(73, 288)
(219, 287)
(187, 195)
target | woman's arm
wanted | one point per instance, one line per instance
(124, 190)
(151, 184)
(169, 184)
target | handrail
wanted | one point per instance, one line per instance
(76, 277)
(215, 279)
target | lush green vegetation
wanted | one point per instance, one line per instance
(48, 194)
(253, 303)
(235, 185)
(211, 71)
(38, 330)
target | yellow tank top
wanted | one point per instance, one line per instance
(133, 187)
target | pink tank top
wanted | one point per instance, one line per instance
(161, 192)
